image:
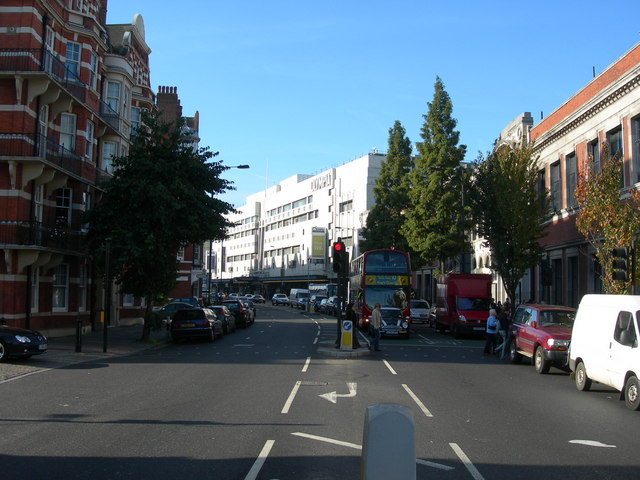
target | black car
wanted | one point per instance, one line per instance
(196, 323)
(227, 318)
(19, 342)
(244, 315)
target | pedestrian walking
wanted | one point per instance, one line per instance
(492, 330)
(376, 323)
(504, 353)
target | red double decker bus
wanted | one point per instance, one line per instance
(380, 276)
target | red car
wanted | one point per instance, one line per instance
(542, 333)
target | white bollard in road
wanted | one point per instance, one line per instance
(388, 443)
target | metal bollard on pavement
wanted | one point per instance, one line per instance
(388, 443)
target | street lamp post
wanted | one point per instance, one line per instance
(210, 262)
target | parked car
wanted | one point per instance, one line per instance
(542, 333)
(20, 342)
(394, 324)
(196, 323)
(227, 318)
(244, 317)
(302, 303)
(420, 311)
(332, 306)
(279, 299)
(258, 299)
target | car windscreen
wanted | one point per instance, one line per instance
(419, 304)
(231, 305)
(473, 304)
(553, 318)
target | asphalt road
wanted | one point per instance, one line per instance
(263, 403)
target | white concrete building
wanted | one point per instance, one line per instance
(283, 234)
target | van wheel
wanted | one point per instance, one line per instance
(514, 356)
(632, 393)
(539, 362)
(583, 382)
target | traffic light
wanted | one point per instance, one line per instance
(340, 258)
(620, 264)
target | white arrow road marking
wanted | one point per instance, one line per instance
(359, 447)
(333, 396)
(592, 443)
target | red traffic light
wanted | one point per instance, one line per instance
(338, 246)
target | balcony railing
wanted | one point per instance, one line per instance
(109, 115)
(36, 234)
(39, 60)
(38, 146)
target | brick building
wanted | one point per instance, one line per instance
(605, 111)
(71, 89)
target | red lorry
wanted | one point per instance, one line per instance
(463, 302)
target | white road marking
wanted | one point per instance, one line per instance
(328, 440)
(592, 443)
(262, 457)
(355, 446)
(389, 367)
(333, 396)
(306, 365)
(415, 398)
(427, 340)
(466, 462)
(292, 395)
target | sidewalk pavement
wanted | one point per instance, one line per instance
(61, 351)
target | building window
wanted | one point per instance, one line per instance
(197, 255)
(542, 186)
(93, 70)
(76, 5)
(38, 205)
(63, 207)
(88, 145)
(61, 287)
(83, 282)
(35, 288)
(180, 254)
(614, 138)
(109, 152)
(635, 149)
(113, 95)
(68, 131)
(571, 173)
(86, 206)
(593, 154)
(346, 206)
(556, 198)
(125, 103)
(127, 300)
(72, 62)
(135, 119)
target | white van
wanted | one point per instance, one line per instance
(604, 345)
(297, 297)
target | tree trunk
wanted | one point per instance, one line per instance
(146, 327)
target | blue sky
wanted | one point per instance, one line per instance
(299, 87)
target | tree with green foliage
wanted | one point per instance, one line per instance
(162, 196)
(435, 222)
(607, 217)
(391, 191)
(510, 211)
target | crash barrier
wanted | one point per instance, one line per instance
(388, 443)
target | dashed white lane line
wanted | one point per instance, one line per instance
(415, 398)
(306, 365)
(262, 457)
(393, 372)
(292, 395)
(466, 462)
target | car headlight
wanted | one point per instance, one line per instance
(22, 339)
(405, 325)
(461, 318)
(555, 343)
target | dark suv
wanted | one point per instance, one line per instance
(542, 333)
(195, 322)
(244, 315)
